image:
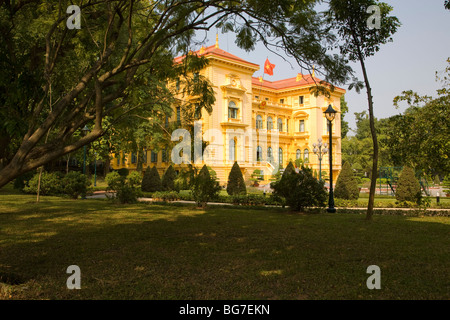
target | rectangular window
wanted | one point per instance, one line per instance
(281, 101)
(232, 113)
(196, 76)
(118, 158)
(287, 125)
(178, 85)
(256, 97)
(164, 155)
(166, 122)
(133, 158)
(300, 100)
(154, 156)
(302, 126)
(178, 114)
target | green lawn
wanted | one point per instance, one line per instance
(146, 251)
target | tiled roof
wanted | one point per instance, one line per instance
(212, 50)
(304, 80)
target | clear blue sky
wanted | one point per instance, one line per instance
(421, 47)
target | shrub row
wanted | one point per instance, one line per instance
(249, 199)
(166, 196)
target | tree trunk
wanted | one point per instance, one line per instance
(67, 163)
(106, 167)
(373, 178)
(39, 184)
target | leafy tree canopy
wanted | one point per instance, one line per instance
(120, 65)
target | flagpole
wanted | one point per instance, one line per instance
(262, 79)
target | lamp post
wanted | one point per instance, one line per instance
(320, 152)
(330, 113)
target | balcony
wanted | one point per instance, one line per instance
(265, 103)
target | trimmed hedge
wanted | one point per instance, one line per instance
(166, 196)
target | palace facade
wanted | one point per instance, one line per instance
(260, 124)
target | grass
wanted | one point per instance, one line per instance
(146, 251)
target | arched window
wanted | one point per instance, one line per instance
(280, 124)
(232, 151)
(298, 154)
(269, 123)
(280, 157)
(306, 155)
(232, 110)
(259, 122)
(258, 153)
(269, 155)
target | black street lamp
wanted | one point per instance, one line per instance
(320, 153)
(330, 113)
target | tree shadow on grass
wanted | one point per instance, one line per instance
(176, 252)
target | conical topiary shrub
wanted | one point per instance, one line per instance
(151, 182)
(346, 184)
(408, 187)
(204, 187)
(282, 186)
(236, 183)
(168, 179)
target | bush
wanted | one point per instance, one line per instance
(408, 187)
(184, 178)
(127, 189)
(446, 184)
(346, 184)
(75, 184)
(236, 183)
(346, 203)
(300, 189)
(50, 184)
(166, 196)
(168, 179)
(437, 181)
(204, 187)
(151, 181)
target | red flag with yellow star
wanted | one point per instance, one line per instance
(268, 67)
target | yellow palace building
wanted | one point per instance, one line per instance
(260, 124)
